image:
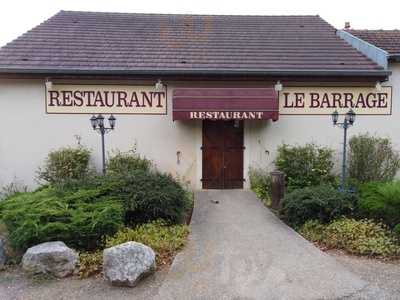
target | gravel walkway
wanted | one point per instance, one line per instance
(383, 277)
(16, 285)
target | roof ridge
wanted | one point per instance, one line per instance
(184, 14)
(372, 30)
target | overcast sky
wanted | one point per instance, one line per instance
(17, 16)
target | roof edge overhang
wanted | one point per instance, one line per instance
(227, 72)
(394, 57)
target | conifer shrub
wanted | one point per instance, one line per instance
(79, 218)
(144, 195)
(380, 201)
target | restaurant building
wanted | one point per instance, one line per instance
(204, 97)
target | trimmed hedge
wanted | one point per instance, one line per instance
(323, 203)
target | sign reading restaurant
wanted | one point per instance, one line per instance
(325, 100)
(110, 99)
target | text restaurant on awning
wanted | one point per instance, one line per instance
(225, 103)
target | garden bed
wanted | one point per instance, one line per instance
(361, 218)
(90, 212)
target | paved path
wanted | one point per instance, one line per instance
(238, 249)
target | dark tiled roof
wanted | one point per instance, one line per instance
(121, 43)
(388, 40)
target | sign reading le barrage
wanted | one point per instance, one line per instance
(325, 100)
(108, 99)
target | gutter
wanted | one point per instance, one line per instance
(367, 73)
(394, 57)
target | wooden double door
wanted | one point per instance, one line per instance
(222, 150)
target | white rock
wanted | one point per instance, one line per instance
(53, 258)
(126, 264)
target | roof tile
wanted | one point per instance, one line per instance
(388, 40)
(92, 41)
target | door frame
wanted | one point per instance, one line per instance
(244, 157)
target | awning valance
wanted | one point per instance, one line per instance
(225, 103)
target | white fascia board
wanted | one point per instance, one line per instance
(374, 53)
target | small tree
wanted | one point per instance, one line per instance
(372, 159)
(65, 163)
(123, 162)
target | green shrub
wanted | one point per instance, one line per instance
(381, 201)
(364, 237)
(13, 188)
(372, 159)
(145, 195)
(90, 263)
(313, 231)
(148, 196)
(123, 162)
(260, 184)
(65, 163)
(323, 203)
(308, 165)
(361, 237)
(165, 240)
(396, 230)
(78, 218)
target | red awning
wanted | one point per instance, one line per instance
(225, 103)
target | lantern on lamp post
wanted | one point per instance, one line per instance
(348, 121)
(97, 123)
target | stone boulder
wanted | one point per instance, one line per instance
(53, 258)
(126, 264)
(3, 256)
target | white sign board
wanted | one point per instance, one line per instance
(325, 100)
(107, 99)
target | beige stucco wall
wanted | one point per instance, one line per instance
(28, 134)
(302, 129)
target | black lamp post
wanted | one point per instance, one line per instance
(347, 122)
(98, 125)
